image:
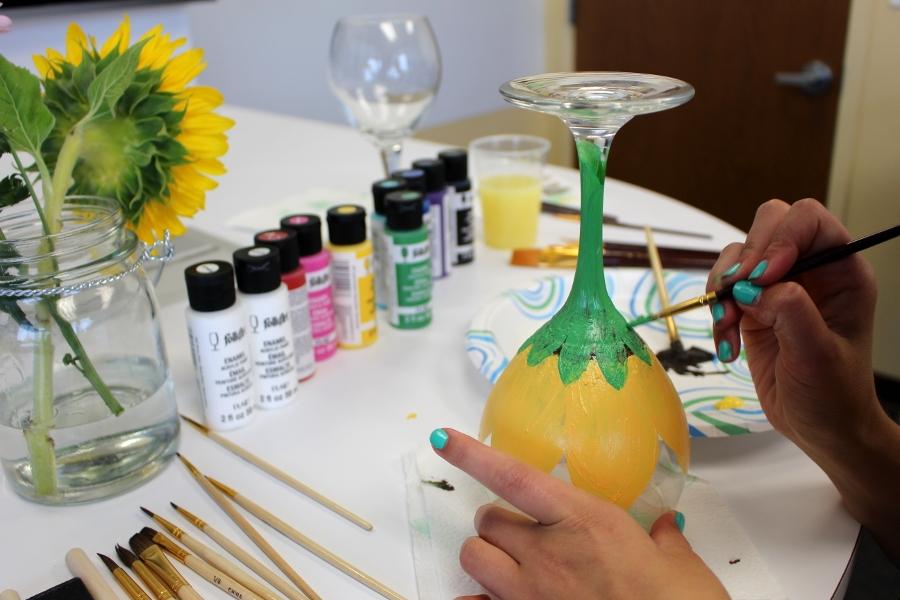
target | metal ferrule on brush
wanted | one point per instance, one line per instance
(157, 561)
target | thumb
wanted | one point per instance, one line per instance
(666, 532)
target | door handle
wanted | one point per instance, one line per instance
(814, 80)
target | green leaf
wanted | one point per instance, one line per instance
(114, 79)
(24, 120)
(12, 190)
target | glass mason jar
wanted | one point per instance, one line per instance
(87, 404)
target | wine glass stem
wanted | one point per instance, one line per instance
(593, 150)
(390, 157)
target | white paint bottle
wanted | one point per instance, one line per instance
(220, 346)
(269, 319)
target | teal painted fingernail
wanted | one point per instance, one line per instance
(439, 439)
(718, 312)
(679, 520)
(746, 293)
(724, 350)
(731, 270)
(759, 269)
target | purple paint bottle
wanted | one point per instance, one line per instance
(436, 192)
(317, 263)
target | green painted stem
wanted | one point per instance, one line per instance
(588, 326)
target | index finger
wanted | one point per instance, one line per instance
(545, 498)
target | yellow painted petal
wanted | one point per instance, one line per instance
(524, 413)
(182, 70)
(205, 123)
(119, 39)
(663, 405)
(611, 443)
(204, 145)
(76, 43)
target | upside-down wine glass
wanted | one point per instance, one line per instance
(385, 70)
(585, 397)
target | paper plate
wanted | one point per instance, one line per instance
(500, 328)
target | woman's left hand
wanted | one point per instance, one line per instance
(572, 544)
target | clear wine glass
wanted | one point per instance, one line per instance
(385, 70)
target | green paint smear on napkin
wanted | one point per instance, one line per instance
(588, 326)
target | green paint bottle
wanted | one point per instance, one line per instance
(408, 261)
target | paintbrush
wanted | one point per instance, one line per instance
(279, 474)
(317, 549)
(574, 213)
(201, 567)
(80, 566)
(153, 555)
(128, 585)
(218, 561)
(154, 583)
(278, 582)
(803, 265)
(614, 255)
(248, 529)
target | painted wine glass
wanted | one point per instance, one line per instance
(385, 70)
(585, 397)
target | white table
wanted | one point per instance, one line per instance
(349, 429)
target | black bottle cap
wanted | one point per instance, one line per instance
(435, 179)
(346, 224)
(403, 210)
(456, 164)
(286, 242)
(257, 268)
(210, 285)
(309, 232)
(414, 178)
(382, 188)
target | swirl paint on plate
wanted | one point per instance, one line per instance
(507, 321)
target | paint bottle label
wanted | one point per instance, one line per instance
(462, 228)
(321, 305)
(273, 347)
(302, 330)
(439, 235)
(354, 295)
(411, 284)
(223, 365)
(379, 260)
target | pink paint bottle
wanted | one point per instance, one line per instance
(317, 263)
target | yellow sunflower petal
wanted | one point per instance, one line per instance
(188, 196)
(184, 205)
(44, 67)
(158, 50)
(76, 42)
(199, 99)
(209, 166)
(143, 230)
(205, 123)
(119, 39)
(161, 218)
(204, 145)
(187, 177)
(55, 57)
(182, 69)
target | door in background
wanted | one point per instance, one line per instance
(745, 137)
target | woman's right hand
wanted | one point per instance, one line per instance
(808, 343)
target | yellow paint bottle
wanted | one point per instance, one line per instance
(353, 276)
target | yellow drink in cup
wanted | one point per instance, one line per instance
(510, 208)
(507, 172)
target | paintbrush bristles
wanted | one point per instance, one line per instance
(140, 542)
(228, 491)
(110, 563)
(126, 556)
(194, 519)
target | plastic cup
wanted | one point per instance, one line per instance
(507, 170)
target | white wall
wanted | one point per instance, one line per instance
(273, 54)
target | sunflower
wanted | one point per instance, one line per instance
(157, 150)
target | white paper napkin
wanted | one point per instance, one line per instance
(440, 521)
